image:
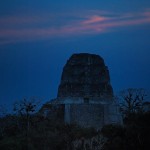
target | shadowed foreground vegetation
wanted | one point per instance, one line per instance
(27, 129)
(45, 134)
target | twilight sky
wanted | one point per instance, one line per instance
(37, 38)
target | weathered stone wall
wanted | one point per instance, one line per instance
(92, 115)
(85, 115)
(112, 114)
(85, 75)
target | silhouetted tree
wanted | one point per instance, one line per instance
(132, 101)
(25, 110)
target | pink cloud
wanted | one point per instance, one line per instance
(90, 24)
(94, 19)
(147, 14)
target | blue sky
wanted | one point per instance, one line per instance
(37, 38)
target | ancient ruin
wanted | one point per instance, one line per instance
(85, 76)
(86, 93)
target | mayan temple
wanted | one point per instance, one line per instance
(86, 93)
